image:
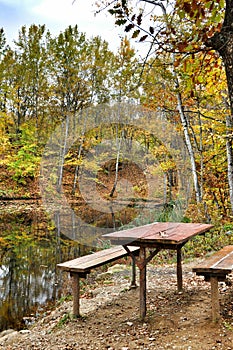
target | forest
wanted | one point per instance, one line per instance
(48, 82)
(105, 140)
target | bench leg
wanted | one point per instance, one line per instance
(133, 277)
(76, 294)
(215, 299)
(179, 270)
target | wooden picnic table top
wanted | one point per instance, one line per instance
(158, 233)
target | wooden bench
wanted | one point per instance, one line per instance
(80, 267)
(216, 268)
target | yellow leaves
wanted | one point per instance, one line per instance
(3, 243)
(200, 79)
(4, 135)
(168, 165)
(201, 74)
(74, 161)
(91, 165)
(160, 151)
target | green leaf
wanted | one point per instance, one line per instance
(120, 22)
(200, 79)
(136, 33)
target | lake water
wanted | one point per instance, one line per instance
(30, 248)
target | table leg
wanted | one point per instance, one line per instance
(179, 270)
(142, 283)
(76, 294)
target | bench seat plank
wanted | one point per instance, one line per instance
(220, 262)
(80, 267)
(215, 268)
(85, 263)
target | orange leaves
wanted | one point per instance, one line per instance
(182, 46)
(201, 71)
(187, 7)
(196, 9)
(185, 27)
(204, 17)
(193, 8)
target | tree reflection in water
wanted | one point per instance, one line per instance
(30, 248)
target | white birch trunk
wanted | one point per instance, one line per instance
(188, 142)
(63, 153)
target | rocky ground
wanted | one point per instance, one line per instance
(111, 316)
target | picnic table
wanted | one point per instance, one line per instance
(153, 238)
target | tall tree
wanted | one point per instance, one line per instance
(68, 75)
(4, 119)
(101, 62)
(126, 73)
(186, 27)
(25, 77)
(68, 72)
(79, 69)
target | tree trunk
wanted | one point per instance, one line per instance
(76, 174)
(62, 155)
(190, 148)
(188, 142)
(223, 43)
(117, 165)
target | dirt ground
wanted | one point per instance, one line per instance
(111, 316)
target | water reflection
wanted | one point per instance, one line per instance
(30, 248)
(31, 245)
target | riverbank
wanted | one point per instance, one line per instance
(110, 316)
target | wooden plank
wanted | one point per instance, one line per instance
(160, 232)
(131, 233)
(89, 257)
(219, 262)
(87, 262)
(175, 232)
